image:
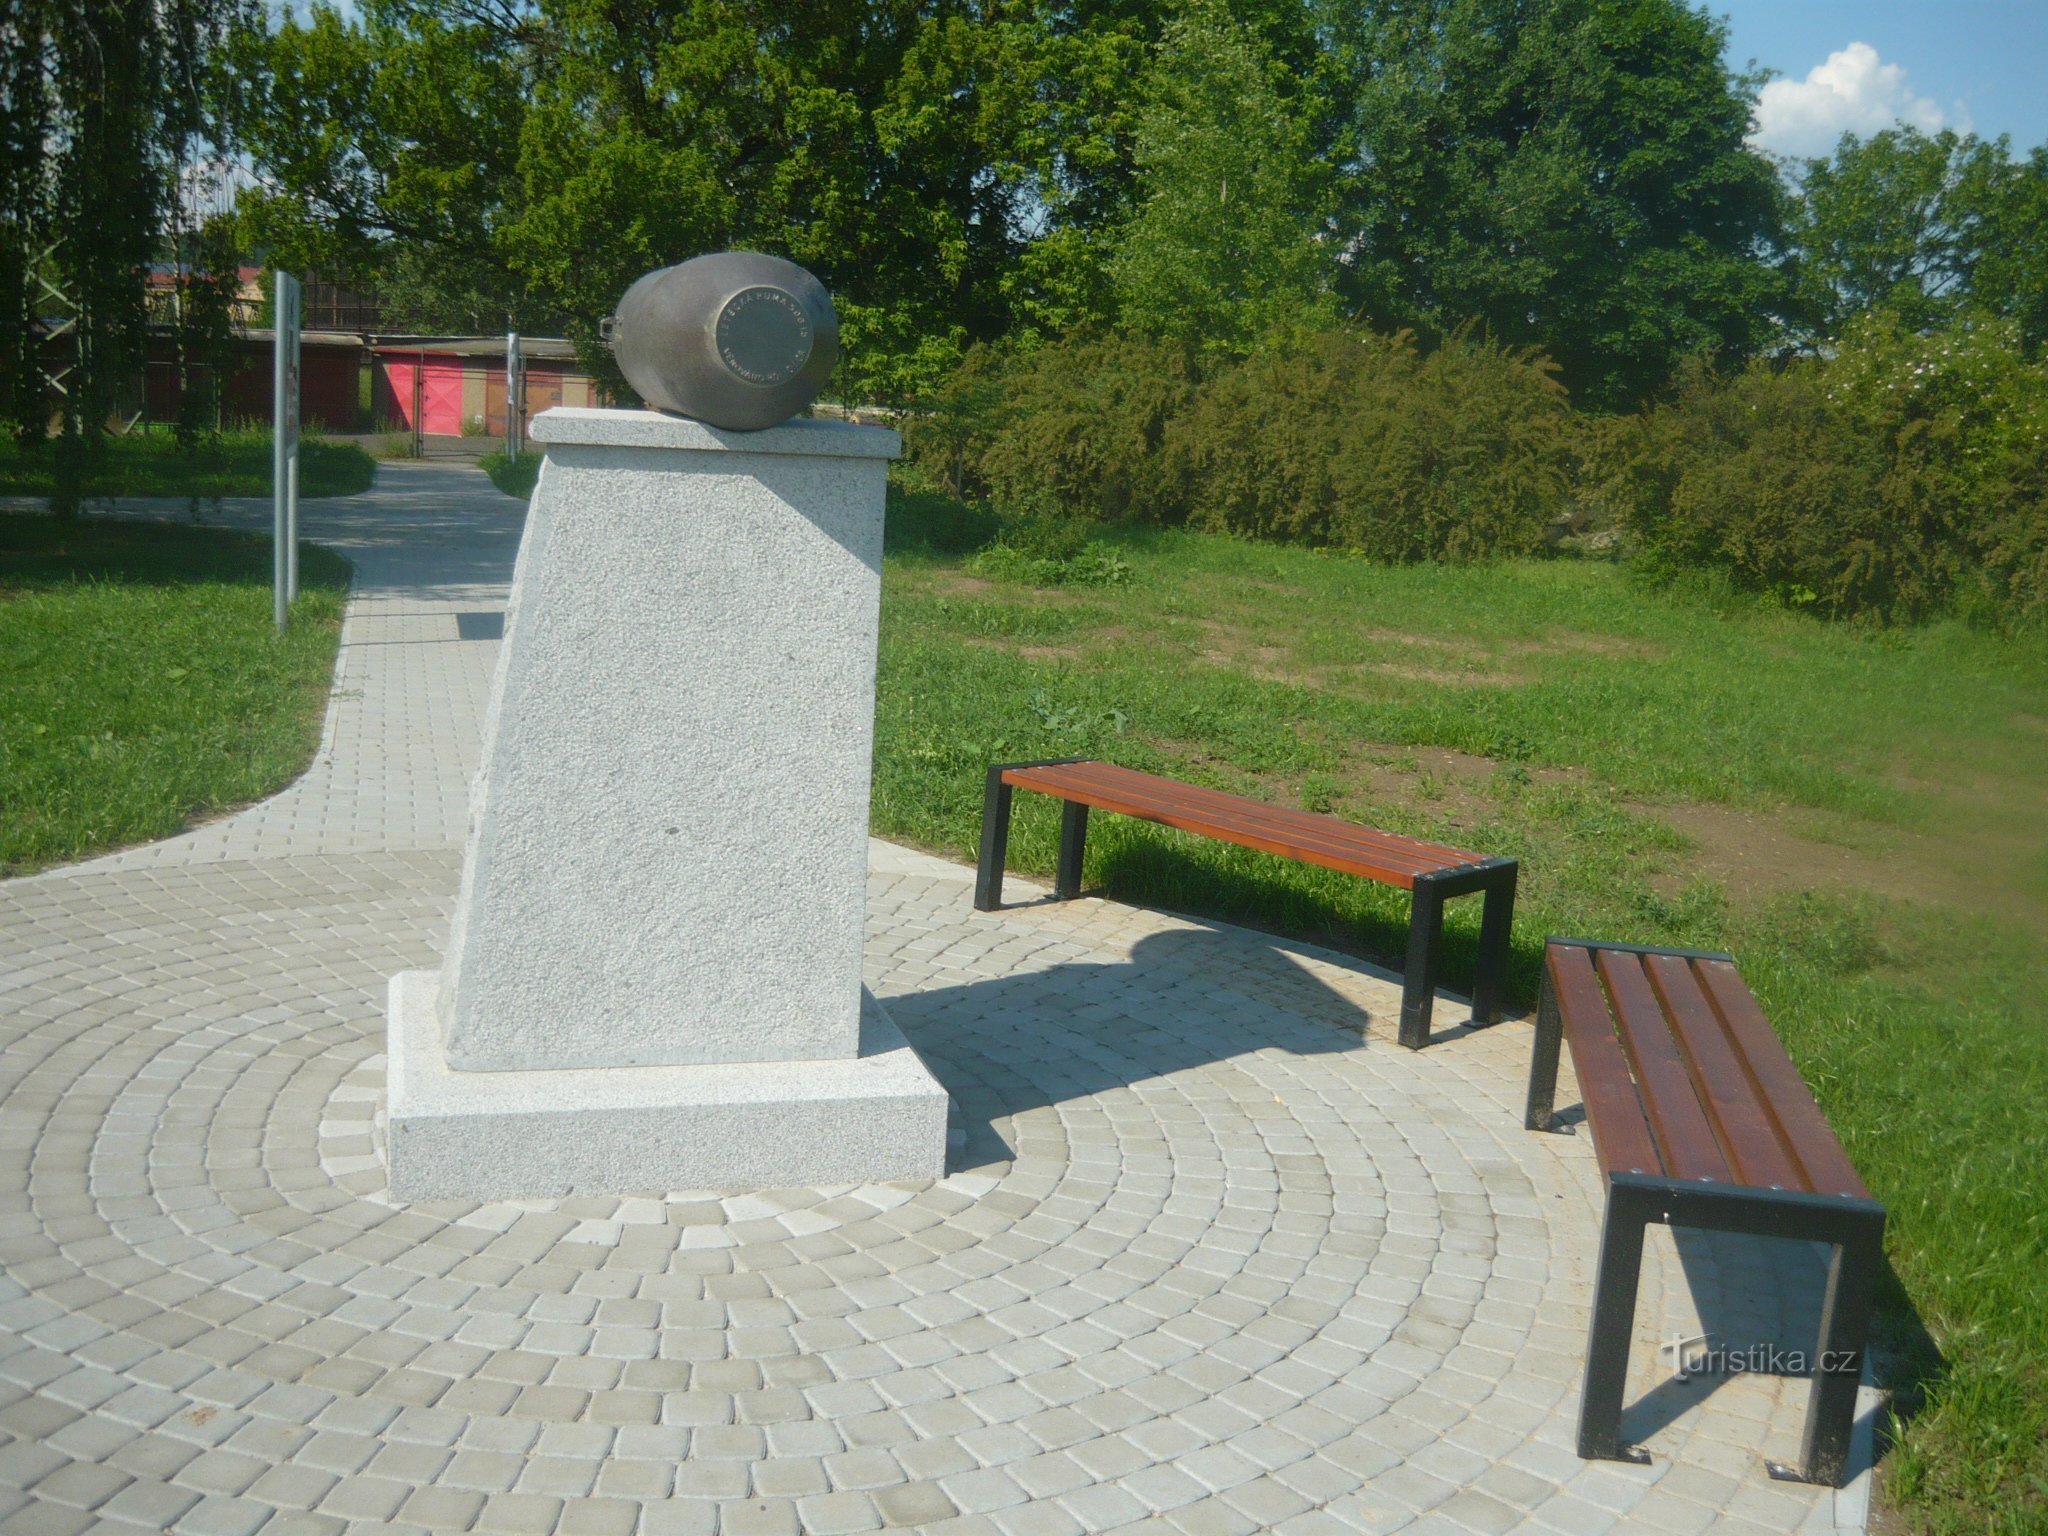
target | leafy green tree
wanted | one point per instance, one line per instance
(1229, 236)
(2012, 273)
(1927, 228)
(1572, 173)
(547, 154)
(25, 111)
(1898, 221)
(103, 103)
(387, 148)
(902, 151)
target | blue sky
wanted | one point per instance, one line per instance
(1963, 64)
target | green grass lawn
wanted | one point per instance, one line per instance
(1862, 816)
(150, 463)
(514, 476)
(142, 685)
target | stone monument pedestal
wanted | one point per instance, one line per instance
(653, 975)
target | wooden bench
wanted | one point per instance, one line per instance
(1432, 871)
(1700, 1119)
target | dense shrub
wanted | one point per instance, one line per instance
(1901, 476)
(1080, 421)
(1339, 436)
(1255, 451)
(1462, 454)
(1367, 442)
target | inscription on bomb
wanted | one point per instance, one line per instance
(764, 336)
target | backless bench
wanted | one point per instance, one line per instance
(1432, 871)
(1700, 1119)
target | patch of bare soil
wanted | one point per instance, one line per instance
(1230, 645)
(957, 583)
(1441, 663)
(1757, 853)
(1751, 854)
(1267, 663)
(1444, 785)
(1976, 863)
(1072, 652)
(1990, 854)
(1441, 678)
(1575, 642)
(1422, 642)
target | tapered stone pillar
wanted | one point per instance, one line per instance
(653, 975)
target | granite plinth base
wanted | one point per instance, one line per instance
(609, 1130)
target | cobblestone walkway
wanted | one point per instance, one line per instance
(1216, 1256)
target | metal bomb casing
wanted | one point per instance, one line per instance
(737, 339)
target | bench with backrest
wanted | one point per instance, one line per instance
(1700, 1119)
(1433, 872)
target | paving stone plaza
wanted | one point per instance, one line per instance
(1212, 1255)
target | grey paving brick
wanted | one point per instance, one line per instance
(759, 1517)
(217, 1515)
(442, 1509)
(599, 1517)
(914, 1504)
(835, 1514)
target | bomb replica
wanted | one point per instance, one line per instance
(737, 340)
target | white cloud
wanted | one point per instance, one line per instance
(1855, 91)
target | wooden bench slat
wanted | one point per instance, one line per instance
(1303, 835)
(1676, 1117)
(1196, 798)
(1128, 785)
(1751, 1139)
(1621, 1135)
(1805, 1130)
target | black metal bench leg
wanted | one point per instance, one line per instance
(1418, 982)
(995, 842)
(1543, 1061)
(1614, 1320)
(1496, 922)
(1073, 842)
(1844, 1327)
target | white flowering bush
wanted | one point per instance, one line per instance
(1902, 475)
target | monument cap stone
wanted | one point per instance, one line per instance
(739, 339)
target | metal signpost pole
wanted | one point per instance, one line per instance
(292, 412)
(515, 396)
(280, 468)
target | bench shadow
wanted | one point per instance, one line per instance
(1759, 1303)
(1760, 1298)
(1145, 866)
(1185, 999)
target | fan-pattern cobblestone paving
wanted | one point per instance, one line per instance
(1214, 1255)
